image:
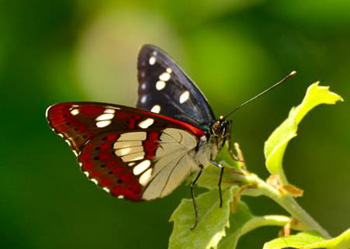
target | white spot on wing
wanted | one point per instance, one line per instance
(141, 167)
(74, 112)
(169, 70)
(184, 97)
(105, 116)
(143, 99)
(101, 124)
(107, 189)
(165, 76)
(133, 157)
(130, 150)
(131, 164)
(160, 85)
(120, 196)
(94, 181)
(105, 119)
(146, 123)
(86, 173)
(122, 152)
(156, 109)
(152, 60)
(143, 86)
(145, 177)
(119, 145)
(134, 136)
(112, 111)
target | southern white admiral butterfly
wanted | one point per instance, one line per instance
(146, 152)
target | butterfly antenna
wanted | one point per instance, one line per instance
(262, 93)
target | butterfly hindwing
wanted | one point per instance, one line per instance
(164, 88)
(126, 151)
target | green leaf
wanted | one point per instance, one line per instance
(243, 221)
(294, 241)
(277, 143)
(211, 225)
(237, 222)
(310, 240)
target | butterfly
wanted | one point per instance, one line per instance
(146, 152)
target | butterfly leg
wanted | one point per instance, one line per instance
(193, 197)
(220, 178)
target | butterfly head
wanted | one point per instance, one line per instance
(221, 130)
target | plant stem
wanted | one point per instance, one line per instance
(287, 202)
(292, 206)
(268, 220)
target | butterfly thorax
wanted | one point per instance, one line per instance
(209, 146)
(220, 131)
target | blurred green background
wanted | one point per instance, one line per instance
(60, 50)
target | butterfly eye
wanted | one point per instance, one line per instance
(216, 128)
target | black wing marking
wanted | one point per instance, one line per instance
(164, 88)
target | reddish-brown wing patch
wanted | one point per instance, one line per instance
(100, 163)
(77, 122)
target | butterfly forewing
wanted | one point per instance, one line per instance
(128, 152)
(164, 88)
